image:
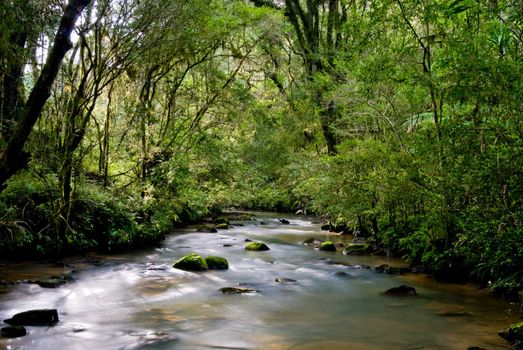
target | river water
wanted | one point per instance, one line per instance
(138, 301)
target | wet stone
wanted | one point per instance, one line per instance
(237, 290)
(40, 317)
(13, 331)
(401, 291)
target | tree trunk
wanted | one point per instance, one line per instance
(13, 157)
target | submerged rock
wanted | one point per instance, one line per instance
(216, 263)
(392, 270)
(327, 246)
(206, 229)
(284, 280)
(52, 282)
(401, 291)
(312, 241)
(513, 334)
(284, 221)
(41, 317)
(257, 246)
(237, 290)
(192, 262)
(13, 331)
(358, 249)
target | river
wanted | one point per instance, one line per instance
(138, 301)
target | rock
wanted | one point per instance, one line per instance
(400, 291)
(341, 274)
(237, 290)
(216, 263)
(41, 317)
(513, 334)
(13, 331)
(284, 280)
(206, 229)
(221, 220)
(340, 245)
(222, 226)
(256, 246)
(357, 249)
(52, 282)
(392, 270)
(227, 245)
(327, 246)
(247, 240)
(284, 221)
(263, 223)
(326, 227)
(192, 262)
(312, 241)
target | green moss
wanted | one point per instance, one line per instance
(357, 249)
(222, 226)
(216, 263)
(192, 262)
(327, 246)
(256, 246)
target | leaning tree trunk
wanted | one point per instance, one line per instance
(13, 157)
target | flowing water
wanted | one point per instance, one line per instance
(138, 301)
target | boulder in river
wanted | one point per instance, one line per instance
(222, 226)
(237, 290)
(40, 317)
(192, 262)
(284, 221)
(221, 220)
(284, 280)
(52, 282)
(13, 331)
(256, 246)
(401, 291)
(357, 249)
(513, 334)
(206, 229)
(216, 263)
(327, 246)
(326, 227)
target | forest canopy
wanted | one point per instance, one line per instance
(397, 120)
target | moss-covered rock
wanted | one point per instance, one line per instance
(206, 229)
(327, 246)
(222, 226)
(192, 262)
(513, 334)
(358, 249)
(217, 263)
(221, 220)
(256, 246)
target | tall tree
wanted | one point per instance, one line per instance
(13, 157)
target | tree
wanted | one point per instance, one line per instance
(13, 157)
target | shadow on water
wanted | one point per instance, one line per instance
(326, 301)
